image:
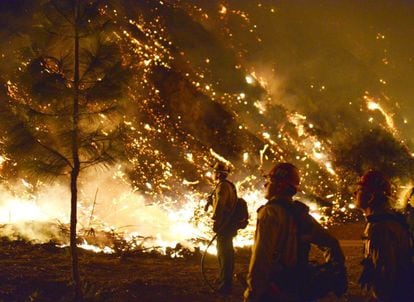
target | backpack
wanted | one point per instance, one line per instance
(240, 217)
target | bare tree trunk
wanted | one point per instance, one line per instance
(76, 166)
(73, 222)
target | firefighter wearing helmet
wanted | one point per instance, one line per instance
(387, 267)
(279, 269)
(224, 198)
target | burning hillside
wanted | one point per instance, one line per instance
(245, 82)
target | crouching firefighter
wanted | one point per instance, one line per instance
(279, 268)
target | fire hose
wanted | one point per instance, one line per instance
(202, 264)
(226, 222)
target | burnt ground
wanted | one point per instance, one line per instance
(42, 273)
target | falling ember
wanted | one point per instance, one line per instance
(250, 79)
(245, 157)
(3, 159)
(220, 158)
(310, 143)
(262, 152)
(26, 184)
(373, 106)
(329, 168)
(223, 10)
(187, 182)
(190, 157)
(260, 106)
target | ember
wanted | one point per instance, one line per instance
(166, 190)
(118, 119)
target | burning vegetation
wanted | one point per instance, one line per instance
(125, 105)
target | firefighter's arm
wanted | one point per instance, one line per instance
(326, 242)
(209, 202)
(265, 241)
(333, 256)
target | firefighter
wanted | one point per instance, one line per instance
(224, 199)
(387, 268)
(279, 269)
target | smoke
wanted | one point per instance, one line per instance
(256, 82)
(320, 58)
(32, 215)
(317, 60)
(106, 202)
(375, 149)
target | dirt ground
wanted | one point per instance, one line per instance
(42, 273)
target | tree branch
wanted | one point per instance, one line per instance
(56, 153)
(62, 14)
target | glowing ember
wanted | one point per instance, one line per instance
(93, 248)
(372, 105)
(224, 98)
(2, 160)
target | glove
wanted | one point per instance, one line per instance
(209, 203)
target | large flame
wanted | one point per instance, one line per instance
(115, 207)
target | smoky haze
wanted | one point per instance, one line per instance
(321, 59)
(259, 82)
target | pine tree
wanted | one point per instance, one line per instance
(63, 105)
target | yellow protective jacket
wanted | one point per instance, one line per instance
(276, 243)
(387, 267)
(224, 201)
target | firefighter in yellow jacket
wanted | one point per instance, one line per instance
(224, 201)
(387, 267)
(279, 269)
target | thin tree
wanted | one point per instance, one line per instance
(63, 104)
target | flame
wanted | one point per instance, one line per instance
(89, 247)
(163, 225)
(375, 106)
(405, 195)
(310, 144)
(3, 159)
(220, 158)
(150, 220)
